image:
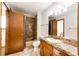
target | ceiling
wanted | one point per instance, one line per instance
(30, 7)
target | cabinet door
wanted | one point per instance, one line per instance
(41, 48)
(15, 33)
(48, 49)
(46, 52)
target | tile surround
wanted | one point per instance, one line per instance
(30, 25)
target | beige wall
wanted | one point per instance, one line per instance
(0, 8)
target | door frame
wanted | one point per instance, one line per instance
(78, 28)
(6, 36)
(63, 25)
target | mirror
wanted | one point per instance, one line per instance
(64, 23)
(56, 26)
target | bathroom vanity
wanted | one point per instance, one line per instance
(55, 47)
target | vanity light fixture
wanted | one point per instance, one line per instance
(55, 13)
(65, 9)
(51, 13)
(59, 8)
(59, 12)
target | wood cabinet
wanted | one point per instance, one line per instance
(41, 48)
(47, 49)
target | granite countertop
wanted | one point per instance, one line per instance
(61, 46)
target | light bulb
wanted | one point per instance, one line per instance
(51, 13)
(55, 13)
(59, 12)
(65, 9)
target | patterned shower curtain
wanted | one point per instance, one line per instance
(30, 28)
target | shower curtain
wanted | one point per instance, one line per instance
(30, 28)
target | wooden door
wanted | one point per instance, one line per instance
(78, 29)
(14, 33)
(50, 27)
(0, 25)
(54, 30)
(53, 27)
(7, 31)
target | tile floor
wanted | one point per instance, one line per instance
(28, 51)
(2, 53)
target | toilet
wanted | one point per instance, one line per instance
(36, 45)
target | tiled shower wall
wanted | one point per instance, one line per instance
(30, 28)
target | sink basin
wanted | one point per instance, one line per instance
(53, 40)
(49, 39)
